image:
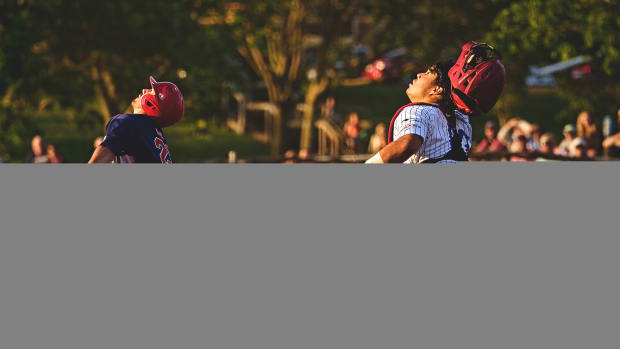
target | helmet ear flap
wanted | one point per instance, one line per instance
(149, 105)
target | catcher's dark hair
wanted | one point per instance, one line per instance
(442, 69)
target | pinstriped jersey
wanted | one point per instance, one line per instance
(430, 123)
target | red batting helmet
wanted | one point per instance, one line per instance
(166, 106)
(477, 78)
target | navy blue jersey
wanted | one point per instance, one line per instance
(136, 138)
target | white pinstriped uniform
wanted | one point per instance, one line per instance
(430, 123)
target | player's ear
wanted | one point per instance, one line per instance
(437, 90)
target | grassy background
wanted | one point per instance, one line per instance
(376, 103)
(189, 144)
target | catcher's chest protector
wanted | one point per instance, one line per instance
(456, 152)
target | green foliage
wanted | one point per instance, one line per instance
(15, 134)
(189, 145)
(112, 45)
(534, 32)
(431, 29)
(380, 102)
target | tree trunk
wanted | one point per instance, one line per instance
(314, 91)
(102, 101)
(102, 104)
(276, 140)
(305, 141)
(8, 96)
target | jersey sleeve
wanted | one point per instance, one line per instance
(413, 120)
(118, 135)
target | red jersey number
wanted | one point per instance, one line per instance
(163, 150)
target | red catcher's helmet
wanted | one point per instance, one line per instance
(166, 106)
(477, 78)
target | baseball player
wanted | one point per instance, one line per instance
(435, 127)
(138, 137)
(420, 131)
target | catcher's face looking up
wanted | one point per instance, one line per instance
(432, 86)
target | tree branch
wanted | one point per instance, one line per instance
(294, 30)
(253, 55)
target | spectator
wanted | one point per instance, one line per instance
(378, 140)
(615, 126)
(579, 148)
(352, 130)
(53, 156)
(303, 155)
(289, 157)
(611, 144)
(533, 142)
(564, 149)
(490, 143)
(512, 129)
(38, 156)
(328, 112)
(547, 147)
(588, 130)
(519, 149)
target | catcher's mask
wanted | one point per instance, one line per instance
(166, 106)
(477, 78)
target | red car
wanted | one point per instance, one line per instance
(392, 66)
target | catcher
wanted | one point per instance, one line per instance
(434, 127)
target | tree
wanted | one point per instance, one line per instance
(531, 32)
(431, 29)
(290, 46)
(102, 52)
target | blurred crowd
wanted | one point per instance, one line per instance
(43, 153)
(519, 140)
(359, 135)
